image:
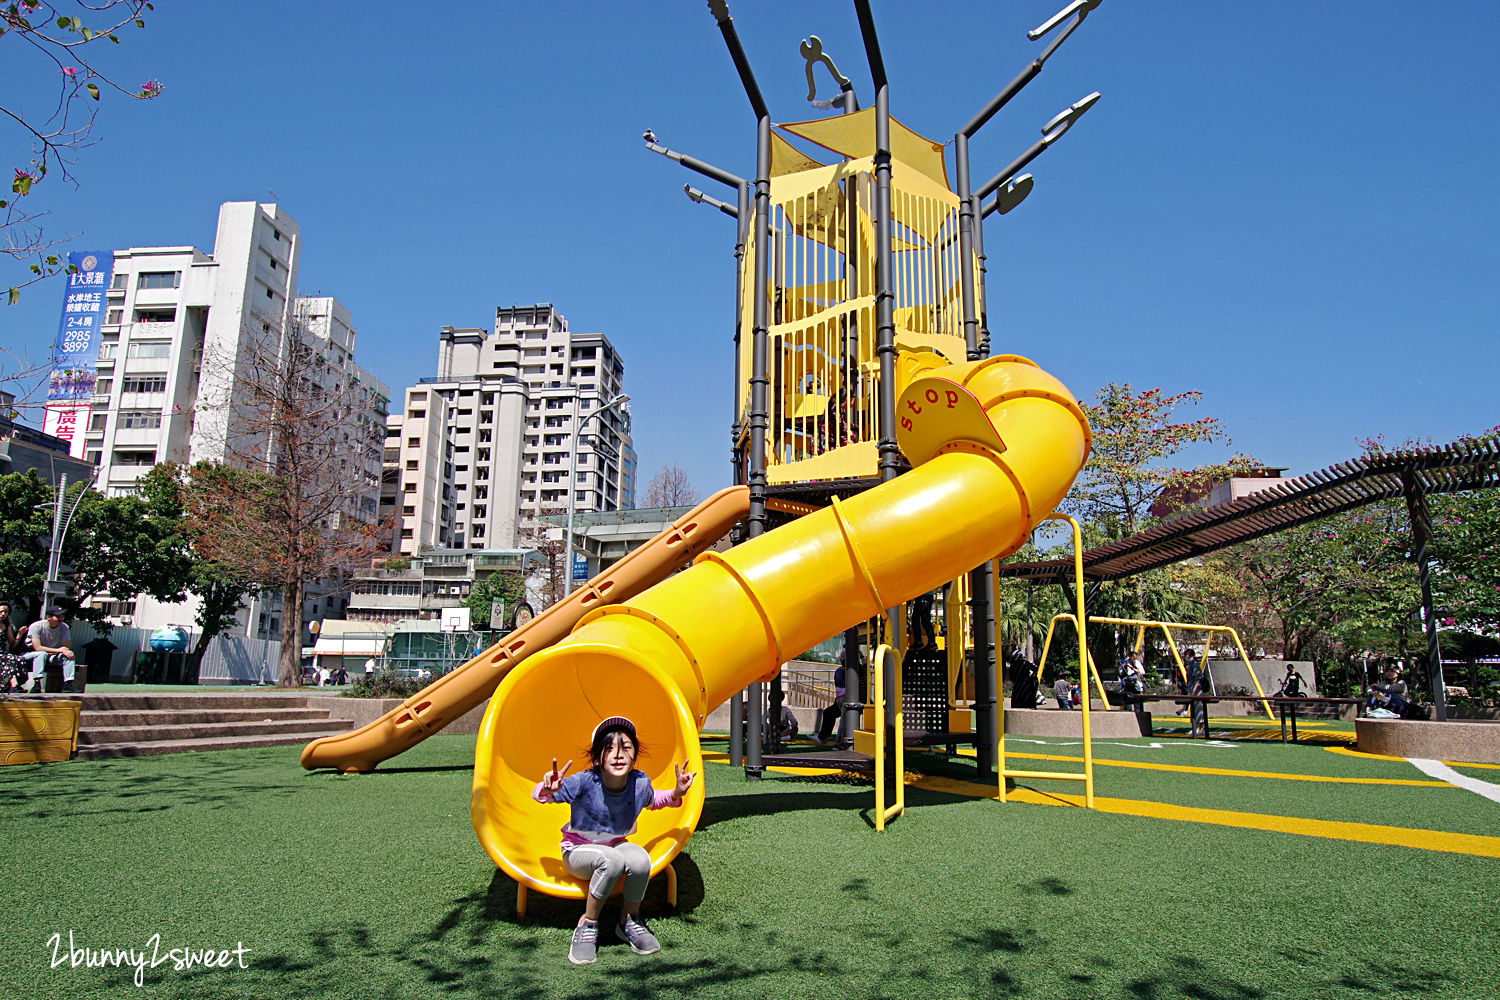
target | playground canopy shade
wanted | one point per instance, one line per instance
(1451, 468)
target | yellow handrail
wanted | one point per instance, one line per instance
(1084, 664)
(878, 682)
(1171, 645)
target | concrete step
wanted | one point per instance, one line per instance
(155, 701)
(91, 719)
(203, 730)
(149, 749)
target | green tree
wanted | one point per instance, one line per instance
(25, 532)
(1128, 471)
(173, 491)
(122, 546)
(507, 587)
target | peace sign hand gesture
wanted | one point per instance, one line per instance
(684, 777)
(552, 780)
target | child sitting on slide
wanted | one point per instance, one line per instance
(605, 801)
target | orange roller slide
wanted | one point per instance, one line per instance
(466, 687)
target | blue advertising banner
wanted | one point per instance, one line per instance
(76, 352)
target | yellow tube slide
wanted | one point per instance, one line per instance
(997, 442)
(465, 687)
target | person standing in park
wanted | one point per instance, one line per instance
(50, 637)
(1199, 682)
(833, 715)
(1062, 690)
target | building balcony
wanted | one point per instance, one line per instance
(384, 602)
(152, 329)
(388, 574)
(434, 602)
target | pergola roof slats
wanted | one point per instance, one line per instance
(1463, 465)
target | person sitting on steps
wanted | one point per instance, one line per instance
(50, 639)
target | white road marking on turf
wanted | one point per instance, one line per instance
(1437, 769)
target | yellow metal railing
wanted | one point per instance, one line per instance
(1166, 630)
(1087, 775)
(878, 682)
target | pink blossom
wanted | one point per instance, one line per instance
(152, 88)
(69, 71)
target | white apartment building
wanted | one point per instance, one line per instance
(516, 399)
(417, 485)
(175, 324)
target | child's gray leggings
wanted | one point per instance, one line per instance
(603, 865)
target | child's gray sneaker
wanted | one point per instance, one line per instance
(584, 948)
(641, 941)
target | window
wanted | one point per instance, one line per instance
(92, 455)
(414, 442)
(103, 386)
(418, 413)
(149, 349)
(98, 421)
(114, 316)
(270, 293)
(135, 457)
(138, 419)
(147, 383)
(155, 315)
(117, 283)
(159, 279)
(411, 463)
(410, 488)
(406, 532)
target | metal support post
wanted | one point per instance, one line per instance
(759, 379)
(986, 702)
(1421, 530)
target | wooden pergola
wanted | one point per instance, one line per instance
(1471, 464)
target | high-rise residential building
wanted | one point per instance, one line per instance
(517, 398)
(177, 328)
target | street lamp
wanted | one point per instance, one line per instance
(578, 426)
(61, 520)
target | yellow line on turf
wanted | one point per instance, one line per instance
(1370, 833)
(1189, 769)
(1351, 752)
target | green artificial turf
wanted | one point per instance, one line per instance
(374, 886)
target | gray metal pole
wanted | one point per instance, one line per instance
(54, 551)
(986, 692)
(737, 729)
(966, 247)
(1421, 529)
(885, 294)
(756, 479)
(885, 307)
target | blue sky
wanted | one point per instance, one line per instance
(1291, 207)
